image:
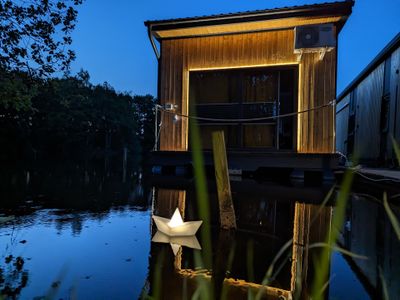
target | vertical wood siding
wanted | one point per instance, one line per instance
(316, 81)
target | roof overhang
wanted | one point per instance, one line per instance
(253, 21)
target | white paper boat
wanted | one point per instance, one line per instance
(177, 241)
(175, 226)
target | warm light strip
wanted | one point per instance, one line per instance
(334, 128)
(187, 74)
(294, 63)
(244, 27)
(299, 106)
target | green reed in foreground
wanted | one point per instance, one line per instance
(323, 262)
(389, 212)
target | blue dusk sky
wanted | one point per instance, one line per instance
(111, 40)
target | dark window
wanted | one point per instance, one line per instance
(248, 93)
(352, 126)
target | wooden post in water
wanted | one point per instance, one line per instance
(124, 163)
(226, 210)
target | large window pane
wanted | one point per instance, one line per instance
(237, 101)
(260, 86)
(259, 136)
(210, 87)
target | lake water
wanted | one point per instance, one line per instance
(89, 236)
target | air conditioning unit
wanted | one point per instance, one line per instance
(314, 38)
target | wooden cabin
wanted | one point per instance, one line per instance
(368, 110)
(267, 78)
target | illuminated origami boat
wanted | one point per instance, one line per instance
(175, 226)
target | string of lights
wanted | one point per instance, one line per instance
(170, 109)
(243, 120)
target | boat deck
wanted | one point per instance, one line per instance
(245, 161)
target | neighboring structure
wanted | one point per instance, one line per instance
(240, 71)
(368, 110)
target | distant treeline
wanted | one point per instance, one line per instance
(70, 119)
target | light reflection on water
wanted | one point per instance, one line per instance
(100, 246)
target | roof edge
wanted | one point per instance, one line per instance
(332, 8)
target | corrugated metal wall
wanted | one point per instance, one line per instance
(394, 99)
(368, 111)
(316, 81)
(368, 95)
(342, 124)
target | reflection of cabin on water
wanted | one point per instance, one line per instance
(270, 217)
(279, 222)
(239, 72)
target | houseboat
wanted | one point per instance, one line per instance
(266, 78)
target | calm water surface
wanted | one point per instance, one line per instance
(88, 236)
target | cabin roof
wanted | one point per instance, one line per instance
(250, 21)
(389, 48)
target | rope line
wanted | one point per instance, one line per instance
(331, 103)
(162, 110)
(376, 179)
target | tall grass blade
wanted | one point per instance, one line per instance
(337, 249)
(391, 215)
(323, 204)
(326, 284)
(396, 149)
(201, 194)
(250, 260)
(204, 287)
(201, 191)
(322, 264)
(269, 274)
(384, 286)
(225, 287)
(250, 267)
(157, 277)
(270, 270)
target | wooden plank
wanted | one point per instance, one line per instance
(178, 80)
(184, 97)
(318, 100)
(164, 134)
(226, 210)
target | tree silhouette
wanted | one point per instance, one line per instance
(35, 35)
